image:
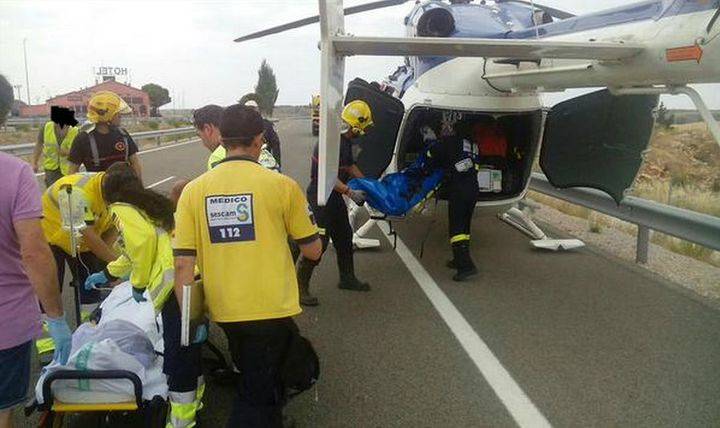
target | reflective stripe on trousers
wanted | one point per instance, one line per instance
(459, 238)
(200, 393)
(185, 405)
(183, 409)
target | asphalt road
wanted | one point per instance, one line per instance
(537, 339)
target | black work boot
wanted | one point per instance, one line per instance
(348, 281)
(304, 273)
(463, 262)
(353, 284)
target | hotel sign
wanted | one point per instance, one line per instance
(111, 71)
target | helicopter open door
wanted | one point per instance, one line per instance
(597, 140)
(377, 146)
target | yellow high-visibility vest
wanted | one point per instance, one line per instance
(53, 159)
(146, 253)
(87, 186)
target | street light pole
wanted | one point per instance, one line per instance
(27, 76)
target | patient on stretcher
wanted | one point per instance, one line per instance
(128, 336)
(396, 194)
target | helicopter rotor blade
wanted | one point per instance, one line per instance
(555, 13)
(314, 19)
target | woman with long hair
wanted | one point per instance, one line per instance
(145, 221)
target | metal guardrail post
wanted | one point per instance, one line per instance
(643, 245)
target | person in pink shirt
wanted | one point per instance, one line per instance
(27, 273)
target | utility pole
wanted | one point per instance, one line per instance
(27, 76)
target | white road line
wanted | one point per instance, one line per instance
(508, 391)
(165, 180)
(171, 146)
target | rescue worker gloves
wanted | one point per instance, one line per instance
(357, 196)
(357, 117)
(62, 338)
(201, 334)
(93, 281)
(104, 106)
(137, 294)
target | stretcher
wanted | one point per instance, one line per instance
(54, 413)
(136, 411)
(129, 402)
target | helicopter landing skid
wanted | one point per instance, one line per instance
(521, 221)
(359, 242)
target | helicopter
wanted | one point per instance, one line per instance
(466, 60)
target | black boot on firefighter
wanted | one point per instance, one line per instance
(462, 261)
(305, 269)
(348, 281)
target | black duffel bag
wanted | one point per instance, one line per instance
(301, 368)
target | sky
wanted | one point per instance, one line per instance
(187, 46)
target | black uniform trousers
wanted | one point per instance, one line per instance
(462, 187)
(81, 267)
(333, 217)
(259, 349)
(182, 364)
(461, 202)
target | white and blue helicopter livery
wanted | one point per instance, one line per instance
(465, 60)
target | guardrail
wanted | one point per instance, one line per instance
(18, 121)
(13, 121)
(25, 149)
(688, 225)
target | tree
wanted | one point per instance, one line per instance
(159, 96)
(6, 98)
(266, 89)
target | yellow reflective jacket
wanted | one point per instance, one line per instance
(87, 186)
(51, 148)
(146, 253)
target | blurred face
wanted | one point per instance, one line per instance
(210, 136)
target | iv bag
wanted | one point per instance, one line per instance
(72, 211)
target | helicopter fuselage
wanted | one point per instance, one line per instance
(680, 48)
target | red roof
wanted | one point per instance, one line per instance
(109, 85)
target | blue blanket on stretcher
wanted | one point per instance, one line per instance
(396, 194)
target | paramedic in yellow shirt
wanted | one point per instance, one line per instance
(228, 220)
(145, 221)
(96, 232)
